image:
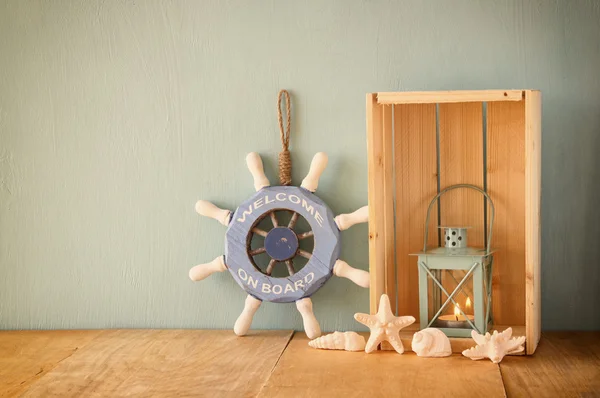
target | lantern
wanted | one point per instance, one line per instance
(455, 281)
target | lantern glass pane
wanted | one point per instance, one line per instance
(450, 316)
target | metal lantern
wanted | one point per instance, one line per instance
(455, 281)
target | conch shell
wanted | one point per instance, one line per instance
(432, 343)
(349, 341)
(494, 346)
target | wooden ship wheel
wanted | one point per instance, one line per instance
(304, 270)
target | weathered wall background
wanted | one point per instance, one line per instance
(116, 116)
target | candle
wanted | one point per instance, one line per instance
(457, 320)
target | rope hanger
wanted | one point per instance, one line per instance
(285, 161)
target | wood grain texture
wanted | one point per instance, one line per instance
(305, 372)
(566, 364)
(388, 204)
(533, 238)
(439, 97)
(461, 162)
(266, 363)
(26, 356)
(416, 184)
(375, 150)
(203, 363)
(506, 187)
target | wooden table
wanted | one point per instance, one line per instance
(215, 363)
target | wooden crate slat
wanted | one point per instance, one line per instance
(439, 97)
(416, 184)
(533, 170)
(506, 187)
(388, 203)
(377, 153)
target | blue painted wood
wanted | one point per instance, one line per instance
(281, 243)
(313, 275)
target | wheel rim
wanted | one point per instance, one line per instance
(315, 229)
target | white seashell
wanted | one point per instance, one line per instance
(494, 346)
(431, 343)
(349, 341)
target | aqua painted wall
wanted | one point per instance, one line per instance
(116, 116)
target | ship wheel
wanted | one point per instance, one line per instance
(280, 240)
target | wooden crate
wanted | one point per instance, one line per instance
(421, 142)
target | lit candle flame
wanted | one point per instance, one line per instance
(456, 311)
(468, 303)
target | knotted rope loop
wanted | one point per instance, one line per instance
(285, 162)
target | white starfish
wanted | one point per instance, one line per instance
(384, 326)
(494, 346)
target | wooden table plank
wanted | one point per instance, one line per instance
(26, 356)
(565, 364)
(167, 363)
(305, 372)
(217, 363)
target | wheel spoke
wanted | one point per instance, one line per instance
(270, 266)
(274, 219)
(293, 220)
(257, 251)
(260, 232)
(304, 254)
(290, 267)
(305, 235)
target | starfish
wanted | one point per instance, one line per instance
(384, 326)
(494, 346)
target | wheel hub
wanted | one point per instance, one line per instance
(281, 243)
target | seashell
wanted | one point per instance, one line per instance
(349, 341)
(494, 346)
(431, 343)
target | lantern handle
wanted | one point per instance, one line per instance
(450, 188)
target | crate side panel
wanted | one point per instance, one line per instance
(375, 150)
(533, 177)
(388, 204)
(415, 164)
(506, 187)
